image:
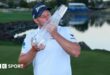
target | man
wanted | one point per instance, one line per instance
(53, 58)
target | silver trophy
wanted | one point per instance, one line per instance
(42, 36)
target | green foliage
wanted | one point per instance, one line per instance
(23, 4)
(51, 4)
(11, 4)
(59, 2)
(31, 4)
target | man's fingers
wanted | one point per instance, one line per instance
(41, 46)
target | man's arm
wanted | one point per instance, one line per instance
(70, 47)
(28, 57)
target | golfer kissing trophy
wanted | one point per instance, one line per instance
(42, 36)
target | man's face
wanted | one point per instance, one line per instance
(43, 18)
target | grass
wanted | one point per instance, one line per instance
(89, 63)
(9, 54)
(92, 63)
(14, 16)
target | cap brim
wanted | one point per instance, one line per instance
(42, 10)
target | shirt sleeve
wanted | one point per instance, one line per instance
(70, 35)
(26, 46)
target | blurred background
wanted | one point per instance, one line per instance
(89, 21)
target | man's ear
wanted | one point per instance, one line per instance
(36, 21)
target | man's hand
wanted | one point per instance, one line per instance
(27, 58)
(51, 28)
(37, 47)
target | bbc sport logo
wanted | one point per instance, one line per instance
(10, 66)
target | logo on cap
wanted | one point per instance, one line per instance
(37, 9)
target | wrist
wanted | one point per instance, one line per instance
(34, 49)
(54, 34)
